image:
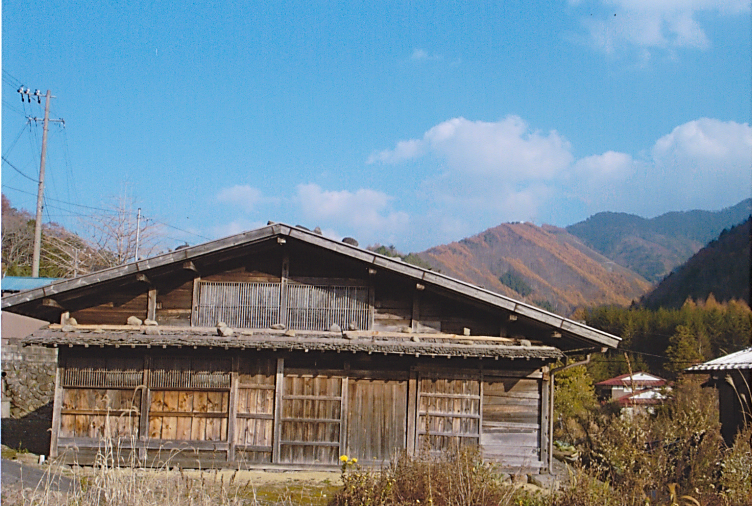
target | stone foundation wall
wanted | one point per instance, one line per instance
(28, 387)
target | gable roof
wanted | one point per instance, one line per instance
(740, 360)
(29, 302)
(641, 379)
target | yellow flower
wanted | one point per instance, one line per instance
(343, 458)
(354, 460)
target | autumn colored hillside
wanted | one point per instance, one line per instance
(545, 266)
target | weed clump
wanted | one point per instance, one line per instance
(453, 478)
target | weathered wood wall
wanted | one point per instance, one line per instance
(298, 409)
(176, 297)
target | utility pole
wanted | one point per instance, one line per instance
(40, 192)
(138, 230)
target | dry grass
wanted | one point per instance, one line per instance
(454, 478)
(118, 481)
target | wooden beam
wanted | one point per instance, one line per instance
(188, 265)
(279, 387)
(49, 302)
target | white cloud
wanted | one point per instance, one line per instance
(503, 149)
(244, 196)
(702, 164)
(422, 54)
(364, 212)
(609, 166)
(652, 24)
(488, 173)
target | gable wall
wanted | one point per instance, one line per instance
(398, 303)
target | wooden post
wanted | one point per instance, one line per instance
(343, 412)
(283, 289)
(415, 318)
(480, 410)
(151, 309)
(195, 301)
(233, 408)
(412, 410)
(143, 421)
(279, 386)
(546, 421)
(56, 408)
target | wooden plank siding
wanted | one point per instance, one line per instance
(298, 409)
(449, 409)
(311, 418)
(377, 417)
(512, 421)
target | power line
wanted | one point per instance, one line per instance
(13, 144)
(7, 77)
(107, 211)
(19, 171)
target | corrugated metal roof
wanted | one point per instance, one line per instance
(739, 360)
(20, 283)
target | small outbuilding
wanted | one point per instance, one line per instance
(732, 376)
(281, 348)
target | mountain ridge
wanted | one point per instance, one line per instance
(609, 259)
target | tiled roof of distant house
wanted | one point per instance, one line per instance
(641, 379)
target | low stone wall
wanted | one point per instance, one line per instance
(28, 377)
(28, 387)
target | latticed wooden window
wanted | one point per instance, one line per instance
(312, 307)
(239, 305)
(260, 305)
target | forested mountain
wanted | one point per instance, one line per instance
(543, 265)
(666, 341)
(721, 268)
(654, 247)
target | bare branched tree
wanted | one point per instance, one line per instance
(117, 235)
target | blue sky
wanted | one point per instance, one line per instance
(405, 123)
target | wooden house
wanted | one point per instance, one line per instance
(732, 376)
(280, 348)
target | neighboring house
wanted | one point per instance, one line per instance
(629, 386)
(636, 393)
(732, 376)
(325, 349)
(15, 284)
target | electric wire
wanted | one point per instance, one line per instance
(13, 144)
(19, 170)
